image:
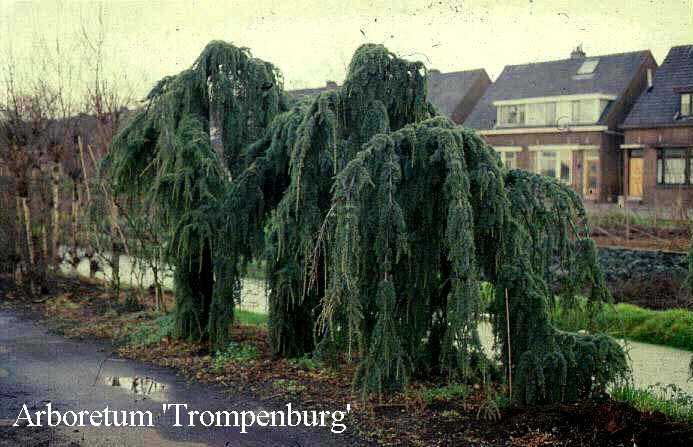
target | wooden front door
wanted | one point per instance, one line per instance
(635, 177)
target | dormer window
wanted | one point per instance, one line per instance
(686, 101)
(513, 115)
(588, 67)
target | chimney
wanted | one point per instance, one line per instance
(649, 79)
(577, 53)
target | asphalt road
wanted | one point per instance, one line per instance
(37, 367)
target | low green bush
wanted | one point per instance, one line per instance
(235, 352)
(306, 362)
(147, 332)
(453, 391)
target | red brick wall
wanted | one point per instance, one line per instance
(611, 172)
(652, 140)
(610, 177)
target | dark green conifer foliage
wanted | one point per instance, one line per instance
(165, 150)
(432, 206)
(388, 222)
(380, 93)
(378, 222)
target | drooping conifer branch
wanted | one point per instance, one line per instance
(378, 222)
(168, 150)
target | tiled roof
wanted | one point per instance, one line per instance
(660, 105)
(611, 76)
(447, 90)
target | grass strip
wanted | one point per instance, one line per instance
(673, 328)
(667, 399)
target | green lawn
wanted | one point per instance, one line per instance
(672, 328)
(250, 318)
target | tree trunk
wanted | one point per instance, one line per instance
(32, 270)
(55, 240)
(27, 229)
(45, 254)
(41, 254)
(194, 282)
(158, 280)
(74, 218)
(116, 249)
(84, 168)
(215, 138)
(93, 263)
(21, 261)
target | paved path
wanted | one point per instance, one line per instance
(37, 367)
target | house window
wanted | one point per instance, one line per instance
(508, 155)
(686, 100)
(673, 166)
(540, 114)
(588, 67)
(582, 111)
(551, 113)
(509, 160)
(556, 164)
(635, 153)
(575, 111)
(513, 115)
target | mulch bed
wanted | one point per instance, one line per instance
(402, 419)
(643, 238)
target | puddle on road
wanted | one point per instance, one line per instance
(140, 387)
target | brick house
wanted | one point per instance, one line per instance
(453, 94)
(658, 132)
(561, 118)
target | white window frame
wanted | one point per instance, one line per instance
(560, 150)
(504, 150)
(591, 104)
(689, 102)
(520, 115)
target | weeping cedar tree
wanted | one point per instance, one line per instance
(165, 151)
(383, 222)
(378, 222)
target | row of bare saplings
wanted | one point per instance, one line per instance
(57, 210)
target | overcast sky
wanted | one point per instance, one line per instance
(312, 41)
